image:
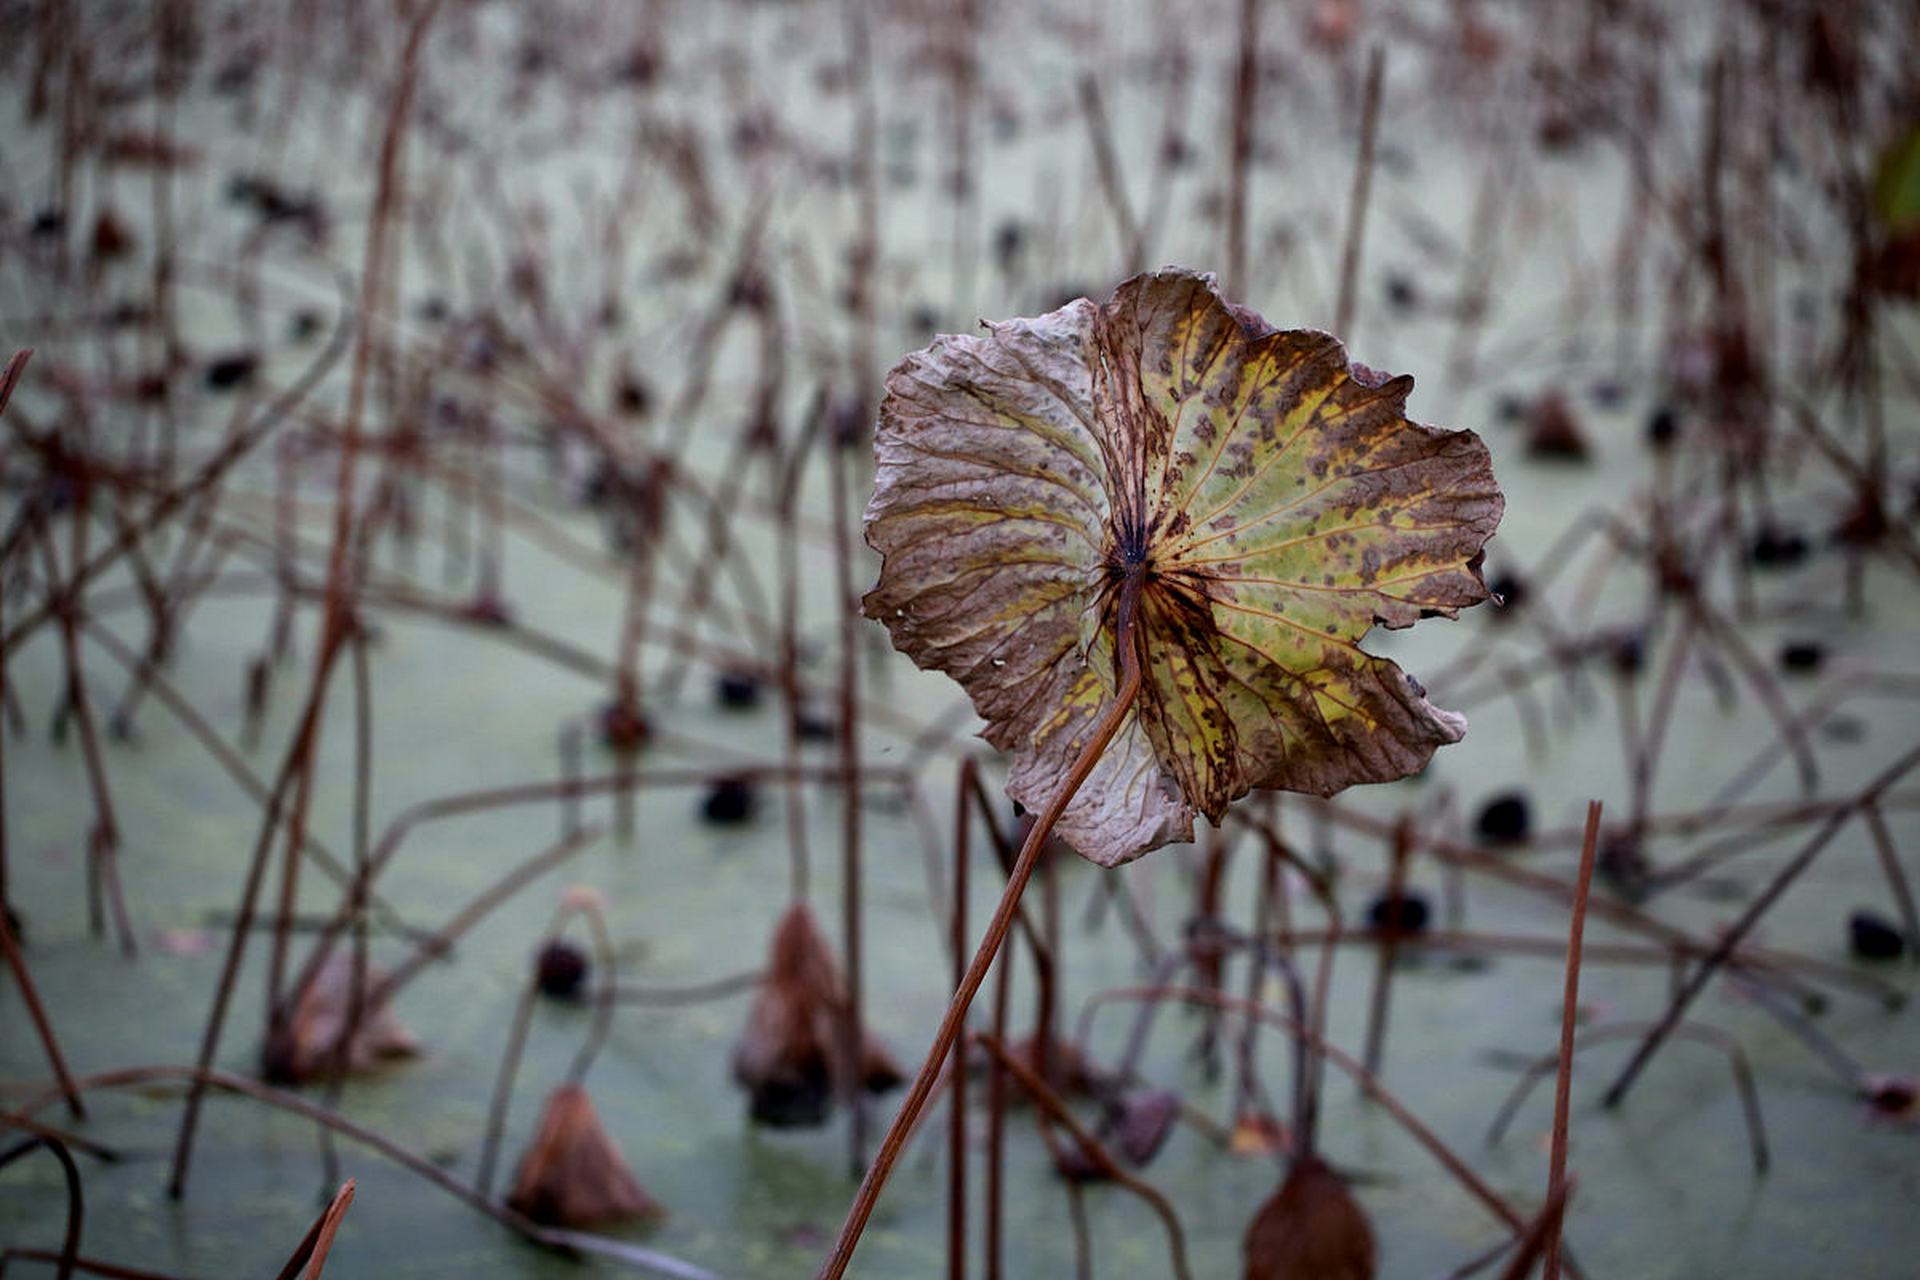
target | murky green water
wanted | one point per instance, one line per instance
(1665, 1185)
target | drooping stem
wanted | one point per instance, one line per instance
(1128, 648)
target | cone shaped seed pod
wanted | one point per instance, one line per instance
(572, 1174)
(1310, 1229)
(791, 1058)
(302, 1047)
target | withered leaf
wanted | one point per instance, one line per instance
(1280, 502)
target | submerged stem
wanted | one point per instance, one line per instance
(898, 1131)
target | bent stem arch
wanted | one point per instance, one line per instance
(1127, 644)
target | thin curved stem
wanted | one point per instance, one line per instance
(1049, 1102)
(549, 1237)
(76, 1203)
(898, 1131)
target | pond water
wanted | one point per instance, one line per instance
(526, 148)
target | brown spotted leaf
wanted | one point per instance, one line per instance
(1279, 498)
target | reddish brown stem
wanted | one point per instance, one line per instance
(1048, 1101)
(1563, 1088)
(956, 1065)
(895, 1140)
(35, 1010)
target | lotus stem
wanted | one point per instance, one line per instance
(898, 1131)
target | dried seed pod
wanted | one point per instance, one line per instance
(561, 969)
(302, 1046)
(573, 1174)
(791, 1059)
(730, 801)
(1310, 1229)
(1872, 938)
(1553, 431)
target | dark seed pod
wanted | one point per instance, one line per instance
(1407, 913)
(562, 968)
(1894, 1097)
(1775, 547)
(233, 370)
(1663, 427)
(1627, 653)
(1402, 293)
(730, 802)
(1802, 657)
(1553, 432)
(1622, 866)
(811, 726)
(1873, 938)
(737, 690)
(1505, 819)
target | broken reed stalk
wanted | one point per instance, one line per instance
(310, 1255)
(1128, 645)
(1563, 1088)
(1362, 191)
(1208, 959)
(236, 768)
